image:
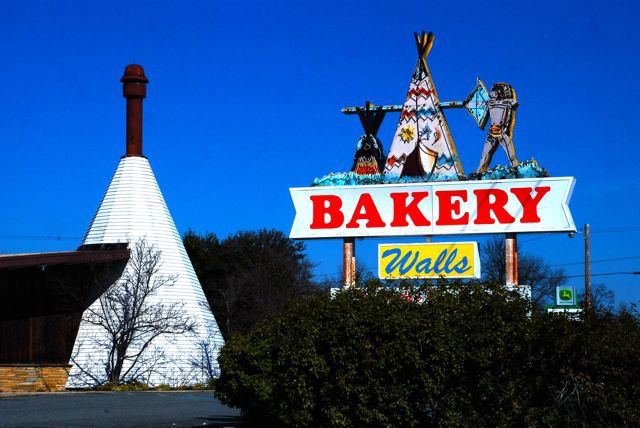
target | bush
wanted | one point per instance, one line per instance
(471, 354)
(122, 387)
(140, 386)
(586, 373)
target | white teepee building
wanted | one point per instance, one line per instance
(133, 208)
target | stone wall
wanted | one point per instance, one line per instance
(31, 378)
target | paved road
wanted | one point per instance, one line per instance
(116, 409)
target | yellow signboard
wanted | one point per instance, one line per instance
(429, 260)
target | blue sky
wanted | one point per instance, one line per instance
(244, 102)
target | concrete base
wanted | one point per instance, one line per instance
(573, 313)
(523, 290)
(33, 378)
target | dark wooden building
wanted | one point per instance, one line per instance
(42, 298)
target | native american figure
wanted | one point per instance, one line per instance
(502, 106)
(369, 157)
(422, 145)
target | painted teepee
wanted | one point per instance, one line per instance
(422, 145)
(133, 208)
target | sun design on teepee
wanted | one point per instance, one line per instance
(407, 133)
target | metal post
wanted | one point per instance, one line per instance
(587, 268)
(349, 262)
(511, 258)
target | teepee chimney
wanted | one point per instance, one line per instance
(134, 89)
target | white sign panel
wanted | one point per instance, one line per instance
(434, 208)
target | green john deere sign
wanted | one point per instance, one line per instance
(566, 296)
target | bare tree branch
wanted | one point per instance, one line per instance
(131, 322)
(532, 271)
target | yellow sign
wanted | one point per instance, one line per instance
(429, 260)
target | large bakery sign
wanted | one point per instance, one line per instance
(419, 186)
(450, 208)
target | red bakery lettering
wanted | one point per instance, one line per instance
(447, 207)
(323, 206)
(529, 204)
(486, 206)
(402, 209)
(365, 210)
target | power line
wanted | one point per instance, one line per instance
(41, 237)
(595, 274)
(606, 230)
(617, 229)
(548, 235)
(596, 261)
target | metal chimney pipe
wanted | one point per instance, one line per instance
(134, 89)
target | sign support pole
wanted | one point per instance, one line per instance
(511, 258)
(349, 262)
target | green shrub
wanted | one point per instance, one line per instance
(122, 387)
(139, 386)
(470, 355)
(586, 373)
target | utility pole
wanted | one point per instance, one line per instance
(587, 268)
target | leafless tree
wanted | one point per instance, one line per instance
(129, 320)
(205, 361)
(363, 273)
(532, 271)
(602, 298)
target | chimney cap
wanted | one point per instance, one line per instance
(134, 73)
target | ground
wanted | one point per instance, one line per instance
(121, 409)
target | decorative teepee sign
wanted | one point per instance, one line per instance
(422, 145)
(422, 189)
